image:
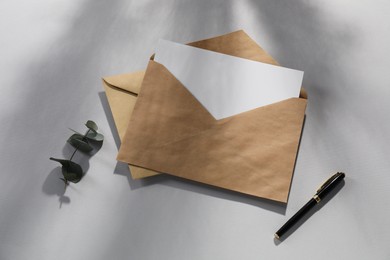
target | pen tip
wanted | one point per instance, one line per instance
(277, 236)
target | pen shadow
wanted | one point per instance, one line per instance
(310, 213)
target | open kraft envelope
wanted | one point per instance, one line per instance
(170, 131)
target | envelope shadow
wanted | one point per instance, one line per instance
(217, 192)
(110, 118)
(200, 188)
(123, 168)
(213, 191)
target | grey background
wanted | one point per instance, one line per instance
(53, 54)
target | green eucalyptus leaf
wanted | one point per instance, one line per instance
(71, 176)
(77, 136)
(62, 161)
(70, 170)
(77, 141)
(73, 172)
(92, 126)
(95, 136)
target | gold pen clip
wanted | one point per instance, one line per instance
(328, 181)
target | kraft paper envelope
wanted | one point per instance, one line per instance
(122, 91)
(170, 131)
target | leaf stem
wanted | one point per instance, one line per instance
(74, 153)
(78, 145)
(65, 182)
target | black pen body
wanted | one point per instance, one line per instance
(294, 219)
(326, 189)
(322, 192)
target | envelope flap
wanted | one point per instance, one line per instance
(253, 152)
(164, 108)
(130, 82)
(236, 44)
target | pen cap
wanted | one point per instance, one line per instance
(330, 184)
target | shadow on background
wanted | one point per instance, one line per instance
(117, 36)
(54, 186)
(200, 188)
(300, 38)
(110, 118)
(303, 38)
(217, 192)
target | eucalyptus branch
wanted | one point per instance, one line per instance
(72, 171)
(78, 145)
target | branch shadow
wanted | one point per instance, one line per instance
(54, 186)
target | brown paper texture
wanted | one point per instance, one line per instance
(252, 153)
(122, 91)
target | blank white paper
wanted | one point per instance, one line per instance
(226, 85)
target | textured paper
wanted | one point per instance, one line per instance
(122, 91)
(253, 152)
(226, 85)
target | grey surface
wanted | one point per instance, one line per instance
(53, 54)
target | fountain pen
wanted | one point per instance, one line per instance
(322, 192)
